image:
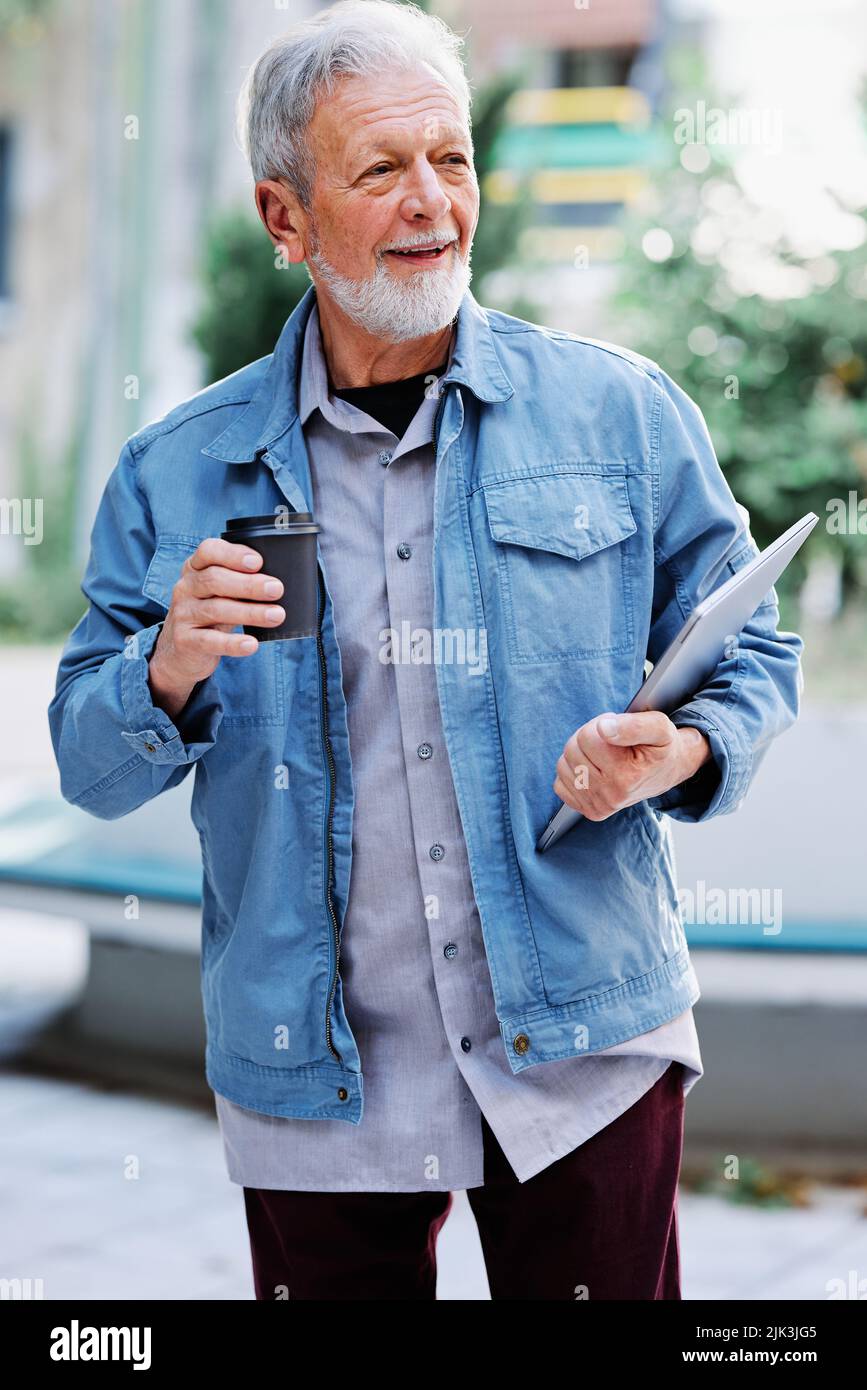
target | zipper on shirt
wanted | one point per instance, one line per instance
(437, 419)
(329, 758)
(329, 848)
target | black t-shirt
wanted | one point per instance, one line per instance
(392, 403)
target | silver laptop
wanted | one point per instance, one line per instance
(698, 648)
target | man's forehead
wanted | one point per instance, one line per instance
(399, 132)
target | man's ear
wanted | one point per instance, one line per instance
(283, 218)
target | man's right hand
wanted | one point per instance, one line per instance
(217, 590)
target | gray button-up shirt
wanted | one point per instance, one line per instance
(417, 987)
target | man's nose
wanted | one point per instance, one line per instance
(424, 196)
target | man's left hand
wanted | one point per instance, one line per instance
(615, 760)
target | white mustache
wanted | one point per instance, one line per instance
(421, 245)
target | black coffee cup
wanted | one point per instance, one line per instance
(287, 544)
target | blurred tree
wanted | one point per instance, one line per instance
(21, 21)
(770, 341)
(249, 292)
(495, 244)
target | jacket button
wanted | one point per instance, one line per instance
(466, 1044)
(404, 550)
(151, 747)
(424, 750)
(342, 1093)
(521, 1043)
(436, 851)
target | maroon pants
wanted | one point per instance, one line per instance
(599, 1223)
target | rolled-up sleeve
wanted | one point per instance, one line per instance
(702, 538)
(115, 748)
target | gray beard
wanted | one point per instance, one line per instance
(397, 310)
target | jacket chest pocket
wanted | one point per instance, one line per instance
(251, 687)
(562, 564)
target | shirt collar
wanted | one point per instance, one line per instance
(314, 392)
(274, 405)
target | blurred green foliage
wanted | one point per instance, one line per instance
(44, 601)
(755, 1184)
(781, 381)
(248, 294)
(20, 19)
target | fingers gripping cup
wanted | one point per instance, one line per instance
(287, 544)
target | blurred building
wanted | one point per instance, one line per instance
(579, 138)
(580, 125)
(116, 144)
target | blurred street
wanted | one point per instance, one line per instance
(71, 1218)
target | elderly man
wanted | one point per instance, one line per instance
(402, 997)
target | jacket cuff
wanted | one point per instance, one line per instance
(151, 733)
(720, 785)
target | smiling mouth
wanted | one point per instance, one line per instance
(419, 253)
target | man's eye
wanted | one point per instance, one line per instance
(386, 168)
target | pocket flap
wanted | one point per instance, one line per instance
(164, 570)
(573, 514)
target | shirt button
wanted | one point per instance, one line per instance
(424, 750)
(385, 457)
(450, 950)
(436, 851)
(404, 550)
(521, 1043)
(466, 1044)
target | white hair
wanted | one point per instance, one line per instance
(352, 38)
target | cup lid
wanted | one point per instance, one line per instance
(279, 522)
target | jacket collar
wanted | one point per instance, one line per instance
(273, 407)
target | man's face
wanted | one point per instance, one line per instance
(394, 168)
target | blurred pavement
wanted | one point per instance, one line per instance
(73, 1217)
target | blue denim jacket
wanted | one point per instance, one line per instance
(580, 515)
